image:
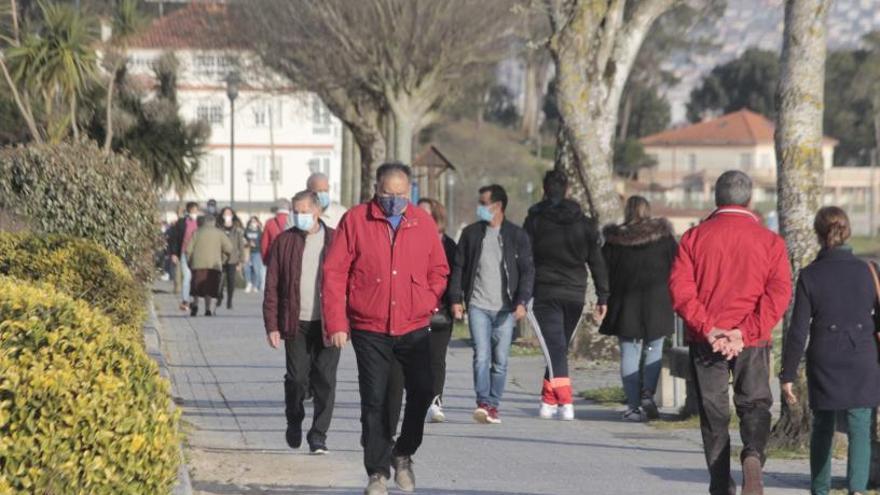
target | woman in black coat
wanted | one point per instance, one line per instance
(836, 306)
(639, 255)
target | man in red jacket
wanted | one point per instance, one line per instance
(383, 278)
(274, 228)
(731, 284)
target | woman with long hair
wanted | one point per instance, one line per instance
(230, 224)
(639, 255)
(254, 268)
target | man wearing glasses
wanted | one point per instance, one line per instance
(383, 278)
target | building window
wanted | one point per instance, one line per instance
(211, 65)
(745, 161)
(210, 112)
(211, 171)
(765, 161)
(263, 173)
(692, 163)
(265, 110)
(320, 117)
(319, 164)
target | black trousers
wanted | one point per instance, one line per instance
(229, 283)
(751, 397)
(308, 361)
(558, 321)
(376, 354)
(440, 337)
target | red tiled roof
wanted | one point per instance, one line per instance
(741, 128)
(200, 25)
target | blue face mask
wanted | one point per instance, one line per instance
(304, 221)
(324, 199)
(392, 205)
(484, 213)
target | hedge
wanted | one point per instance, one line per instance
(80, 269)
(82, 408)
(75, 188)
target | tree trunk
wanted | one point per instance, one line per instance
(626, 113)
(404, 127)
(372, 148)
(800, 168)
(531, 107)
(23, 105)
(111, 87)
(73, 125)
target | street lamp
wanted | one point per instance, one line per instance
(249, 175)
(233, 80)
(450, 202)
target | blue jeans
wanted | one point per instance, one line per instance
(492, 333)
(253, 272)
(635, 378)
(186, 279)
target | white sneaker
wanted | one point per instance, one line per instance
(547, 411)
(436, 412)
(634, 415)
(249, 288)
(567, 412)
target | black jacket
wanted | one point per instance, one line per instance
(833, 306)
(519, 270)
(449, 248)
(639, 257)
(565, 242)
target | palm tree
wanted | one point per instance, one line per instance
(53, 63)
(127, 21)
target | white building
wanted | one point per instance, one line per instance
(281, 135)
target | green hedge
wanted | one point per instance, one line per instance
(80, 269)
(77, 189)
(82, 407)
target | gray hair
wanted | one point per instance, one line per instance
(282, 204)
(733, 188)
(305, 196)
(315, 177)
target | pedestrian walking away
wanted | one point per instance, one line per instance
(442, 321)
(384, 275)
(274, 227)
(731, 284)
(206, 254)
(254, 270)
(292, 313)
(180, 238)
(566, 244)
(639, 255)
(493, 274)
(836, 306)
(230, 224)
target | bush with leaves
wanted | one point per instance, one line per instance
(76, 189)
(83, 409)
(79, 268)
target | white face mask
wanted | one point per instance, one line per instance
(227, 220)
(194, 216)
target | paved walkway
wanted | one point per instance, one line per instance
(229, 384)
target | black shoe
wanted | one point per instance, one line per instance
(228, 304)
(208, 313)
(193, 310)
(318, 448)
(650, 408)
(294, 437)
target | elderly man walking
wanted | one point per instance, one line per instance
(384, 275)
(331, 211)
(731, 284)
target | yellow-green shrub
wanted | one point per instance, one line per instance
(78, 267)
(83, 409)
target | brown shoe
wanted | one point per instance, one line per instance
(753, 477)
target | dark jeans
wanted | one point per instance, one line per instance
(751, 396)
(558, 320)
(440, 336)
(858, 461)
(308, 361)
(229, 282)
(375, 354)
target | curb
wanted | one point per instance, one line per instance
(152, 343)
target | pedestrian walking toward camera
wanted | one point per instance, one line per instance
(383, 278)
(441, 323)
(180, 238)
(206, 254)
(731, 284)
(230, 224)
(274, 227)
(493, 275)
(566, 244)
(254, 269)
(639, 255)
(292, 313)
(836, 306)
(331, 211)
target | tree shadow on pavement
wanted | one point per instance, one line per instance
(213, 488)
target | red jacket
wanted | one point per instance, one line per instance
(731, 272)
(379, 280)
(274, 227)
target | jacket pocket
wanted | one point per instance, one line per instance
(362, 294)
(424, 302)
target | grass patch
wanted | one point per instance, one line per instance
(865, 246)
(524, 347)
(605, 395)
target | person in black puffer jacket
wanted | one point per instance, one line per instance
(564, 243)
(639, 255)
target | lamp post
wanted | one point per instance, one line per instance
(233, 80)
(450, 202)
(249, 175)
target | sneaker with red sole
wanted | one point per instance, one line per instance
(481, 413)
(493, 419)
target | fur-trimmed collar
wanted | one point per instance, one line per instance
(639, 233)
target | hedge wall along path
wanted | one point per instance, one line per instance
(82, 407)
(79, 268)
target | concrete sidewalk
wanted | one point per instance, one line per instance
(229, 384)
